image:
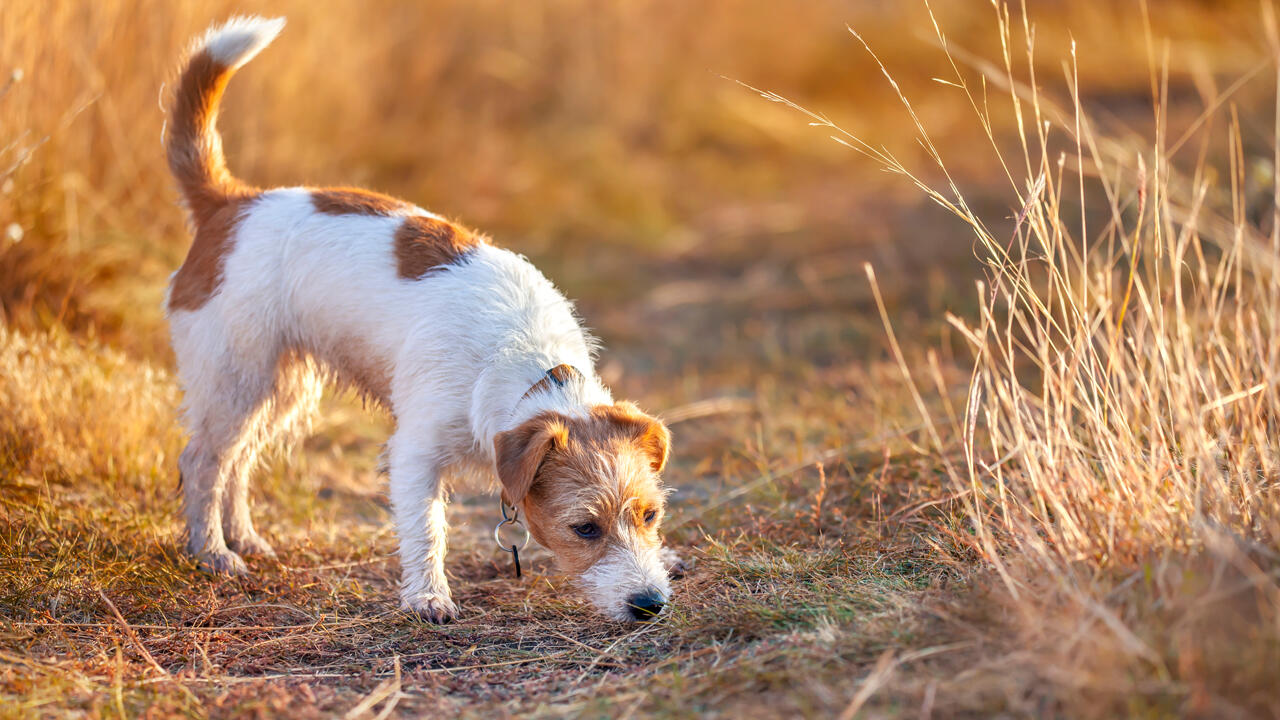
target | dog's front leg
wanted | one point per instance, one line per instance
(417, 499)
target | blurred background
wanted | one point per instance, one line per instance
(715, 240)
(700, 226)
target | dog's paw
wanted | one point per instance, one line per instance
(252, 545)
(437, 609)
(222, 562)
(677, 567)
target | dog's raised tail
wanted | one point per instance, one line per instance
(192, 142)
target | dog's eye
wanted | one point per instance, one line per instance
(649, 517)
(588, 531)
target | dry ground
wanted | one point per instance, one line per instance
(861, 543)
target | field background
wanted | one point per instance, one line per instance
(716, 242)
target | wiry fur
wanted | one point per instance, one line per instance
(236, 41)
(599, 467)
(284, 289)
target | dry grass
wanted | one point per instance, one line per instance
(1052, 497)
(91, 529)
(1118, 467)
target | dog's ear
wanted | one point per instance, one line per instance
(656, 441)
(650, 433)
(519, 453)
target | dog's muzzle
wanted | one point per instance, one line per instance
(646, 606)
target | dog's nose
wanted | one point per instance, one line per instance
(646, 606)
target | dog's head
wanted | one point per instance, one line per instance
(591, 493)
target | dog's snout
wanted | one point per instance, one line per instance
(646, 606)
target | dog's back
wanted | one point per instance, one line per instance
(284, 289)
(343, 275)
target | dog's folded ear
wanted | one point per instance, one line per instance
(650, 433)
(519, 453)
(656, 441)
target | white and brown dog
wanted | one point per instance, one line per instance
(479, 358)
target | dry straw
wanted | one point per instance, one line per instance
(1121, 413)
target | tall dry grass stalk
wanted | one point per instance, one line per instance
(1117, 458)
(1123, 401)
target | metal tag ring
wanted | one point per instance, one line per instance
(497, 534)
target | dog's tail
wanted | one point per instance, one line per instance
(192, 142)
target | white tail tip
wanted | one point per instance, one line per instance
(236, 41)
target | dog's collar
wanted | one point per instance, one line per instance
(558, 376)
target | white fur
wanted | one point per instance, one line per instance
(305, 297)
(236, 41)
(460, 348)
(625, 571)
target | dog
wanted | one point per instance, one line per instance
(481, 361)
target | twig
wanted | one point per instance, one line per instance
(341, 565)
(707, 408)
(609, 650)
(598, 653)
(133, 636)
(151, 660)
(877, 677)
(387, 688)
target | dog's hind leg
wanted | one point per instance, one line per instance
(224, 392)
(284, 415)
(219, 428)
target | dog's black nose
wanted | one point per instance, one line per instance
(646, 606)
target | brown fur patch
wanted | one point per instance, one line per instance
(193, 146)
(216, 200)
(602, 469)
(354, 201)
(424, 243)
(201, 273)
(556, 376)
